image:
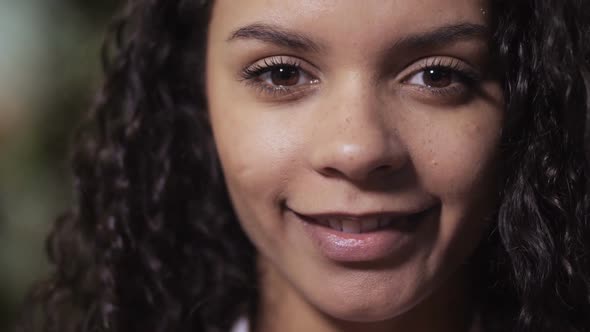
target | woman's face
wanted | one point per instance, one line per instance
(358, 140)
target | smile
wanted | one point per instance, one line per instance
(349, 237)
(357, 226)
(366, 223)
(353, 225)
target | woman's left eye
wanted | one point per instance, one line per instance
(438, 78)
(434, 77)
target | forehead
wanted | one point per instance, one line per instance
(348, 23)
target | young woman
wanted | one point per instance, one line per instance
(331, 166)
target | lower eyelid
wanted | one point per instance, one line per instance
(282, 93)
(455, 93)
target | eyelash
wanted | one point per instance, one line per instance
(258, 69)
(467, 78)
(251, 75)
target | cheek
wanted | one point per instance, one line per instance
(249, 142)
(455, 158)
(257, 156)
(258, 153)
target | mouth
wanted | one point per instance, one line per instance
(365, 223)
(364, 237)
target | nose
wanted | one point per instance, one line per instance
(357, 140)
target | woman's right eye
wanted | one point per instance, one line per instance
(284, 75)
(279, 78)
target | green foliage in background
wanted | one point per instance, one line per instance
(49, 72)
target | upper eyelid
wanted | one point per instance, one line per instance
(267, 64)
(437, 61)
(271, 61)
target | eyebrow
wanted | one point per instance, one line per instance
(277, 36)
(285, 38)
(443, 35)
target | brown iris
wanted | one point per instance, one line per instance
(285, 76)
(438, 77)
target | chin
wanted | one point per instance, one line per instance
(363, 314)
(368, 303)
(365, 311)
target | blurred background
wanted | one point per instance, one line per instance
(49, 72)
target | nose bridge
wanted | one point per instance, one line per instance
(355, 137)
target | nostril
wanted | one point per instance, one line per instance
(382, 169)
(332, 172)
(379, 171)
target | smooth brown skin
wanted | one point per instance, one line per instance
(360, 132)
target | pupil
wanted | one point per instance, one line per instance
(285, 76)
(437, 77)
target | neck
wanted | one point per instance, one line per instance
(282, 308)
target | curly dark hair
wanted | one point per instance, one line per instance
(152, 243)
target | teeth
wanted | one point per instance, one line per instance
(365, 224)
(358, 226)
(336, 224)
(369, 225)
(351, 226)
(385, 222)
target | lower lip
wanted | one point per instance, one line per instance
(383, 244)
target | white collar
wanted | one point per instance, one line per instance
(241, 325)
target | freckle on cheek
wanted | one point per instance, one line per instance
(473, 129)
